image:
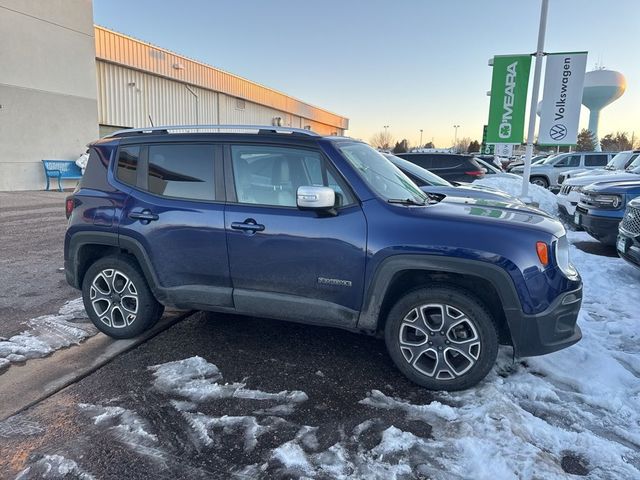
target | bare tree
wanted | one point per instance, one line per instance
(382, 139)
(462, 145)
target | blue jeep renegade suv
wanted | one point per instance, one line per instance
(287, 224)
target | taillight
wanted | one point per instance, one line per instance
(69, 203)
(476, 173)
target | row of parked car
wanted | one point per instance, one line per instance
(596, 191)
(606, 202)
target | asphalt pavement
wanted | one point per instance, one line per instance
(32, 226)
(335, 369)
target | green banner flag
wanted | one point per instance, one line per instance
(508, 98)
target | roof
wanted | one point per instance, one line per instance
(120, 49)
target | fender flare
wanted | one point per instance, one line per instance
(391, 266)
(109, 239)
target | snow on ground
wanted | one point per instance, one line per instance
(583, 401)
(545, 199)
(576, 409)
(54, 467)
(197, 380)
(126, 426)
(47, 334)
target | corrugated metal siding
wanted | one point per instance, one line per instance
(127, 97)
(119, 49)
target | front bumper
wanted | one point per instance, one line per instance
(604, 229)
(628, 247)
(567, 204)
(554, 329)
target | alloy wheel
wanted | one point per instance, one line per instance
(114, 298)
(439, 341)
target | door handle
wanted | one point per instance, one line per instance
(144, 216)
(249, 225)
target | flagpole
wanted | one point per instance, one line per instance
(534, 101)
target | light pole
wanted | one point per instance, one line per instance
(421, 138)
(455, 136)
(534, 101)
(386, 137)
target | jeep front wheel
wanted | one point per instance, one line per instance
(117, 298)
(540, 181)
(441, 337)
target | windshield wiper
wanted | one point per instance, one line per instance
(406, 201)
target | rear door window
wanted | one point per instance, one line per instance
(424, 161)
(569, 161)
(598, 160)
(182, 171)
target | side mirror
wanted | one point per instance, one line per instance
(316, 198)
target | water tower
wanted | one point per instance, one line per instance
(601, 87)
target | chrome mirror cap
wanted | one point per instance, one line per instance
(316, 198)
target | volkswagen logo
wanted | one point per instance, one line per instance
(558, 131)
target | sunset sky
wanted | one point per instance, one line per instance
(408, 64)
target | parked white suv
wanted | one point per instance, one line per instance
(546, 174)
(570, 190)
(619, 162)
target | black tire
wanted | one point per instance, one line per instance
(540, 181)
(421, 363)
(124, 313)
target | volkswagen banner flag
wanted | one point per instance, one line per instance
(509, 84)
(561, 98)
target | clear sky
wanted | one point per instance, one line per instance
(410, 64)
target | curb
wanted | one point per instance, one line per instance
(23, 386)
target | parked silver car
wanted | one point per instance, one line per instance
(618, 164)
(546, 174)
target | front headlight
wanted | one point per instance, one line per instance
(563, 258)
(610, 201)
(578, 189)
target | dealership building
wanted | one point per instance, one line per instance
(64, 82)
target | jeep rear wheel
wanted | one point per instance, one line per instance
(117, 298)
(441, 337)
(540, 181)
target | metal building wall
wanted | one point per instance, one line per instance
(130, 98)
(145, 79)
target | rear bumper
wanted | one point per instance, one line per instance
(630, 250)
(604, 229)
(554, 329)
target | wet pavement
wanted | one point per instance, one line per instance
(31, 252)
(118, 424)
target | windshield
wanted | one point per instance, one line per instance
(380, 174)
(418, 172)
(486, 165)
(633, 165)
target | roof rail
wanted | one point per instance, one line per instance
(261, 129)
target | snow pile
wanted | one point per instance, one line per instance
(398, 455)
(126, 426)
(249, 427)
(47, 334)
(54, 467)
(582, 402)
(197, 380)
(546, 200)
